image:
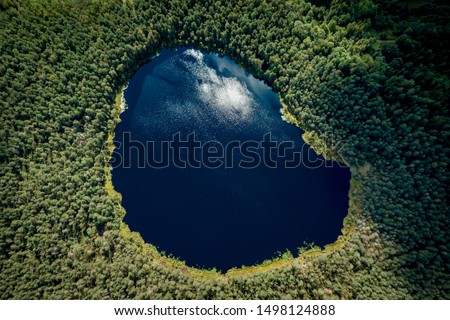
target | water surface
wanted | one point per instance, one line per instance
(222, 217)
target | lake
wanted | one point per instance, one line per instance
(210, 173)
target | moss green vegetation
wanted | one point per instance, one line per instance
(374, 73)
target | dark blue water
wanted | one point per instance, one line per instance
(227, 216)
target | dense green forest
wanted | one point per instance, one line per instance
(374, 73)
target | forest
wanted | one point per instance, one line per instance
(374, 73)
